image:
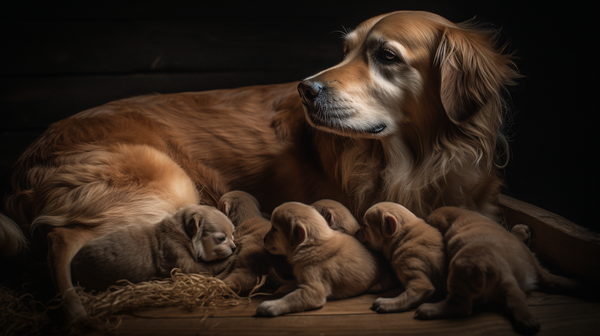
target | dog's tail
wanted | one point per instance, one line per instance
(12, 239)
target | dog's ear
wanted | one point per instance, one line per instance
(472, 71)
(194, 224)
(298, 235)
(390, 224)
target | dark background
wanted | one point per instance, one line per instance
(58, 60)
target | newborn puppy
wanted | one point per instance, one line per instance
(414, 249)
(192, 236)
(326, 263)
(487, 264)
(337, 216)
(251, 260)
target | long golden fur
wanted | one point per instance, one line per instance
(414, 249)
(488, 265)
(412, 115)
(327, 264)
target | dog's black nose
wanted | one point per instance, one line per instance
(233, 249)
(309, 90)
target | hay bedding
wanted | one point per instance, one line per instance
(22, 315)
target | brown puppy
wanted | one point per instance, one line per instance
(337, 216)
(414, 249)
(251, 260)
(487, 265)
(192, 236)
(326, 263)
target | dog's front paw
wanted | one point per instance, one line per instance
(269, 308)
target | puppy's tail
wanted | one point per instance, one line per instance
(12, 239)
(550, 283)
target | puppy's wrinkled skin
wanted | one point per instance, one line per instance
(251, 260)
(326, 263)
(189, 240)
(488, 265)
(414, 249)
(337, 216)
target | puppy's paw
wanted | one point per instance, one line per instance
(384, 305)
(527, 326)
(270, 308)
(428, 311)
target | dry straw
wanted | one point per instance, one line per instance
(22, 315)
(185, 290)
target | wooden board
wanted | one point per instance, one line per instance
(572, 248)
(558, 315)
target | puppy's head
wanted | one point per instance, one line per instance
(239, 206)
(406, 68)
(293, 225)
(381, 222)
(443, 218)
(337, 216)
(210, 231)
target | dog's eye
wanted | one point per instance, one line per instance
(387, 56)
(221, 239)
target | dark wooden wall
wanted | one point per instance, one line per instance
(58, 60)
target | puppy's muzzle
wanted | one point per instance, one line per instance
(309, 91)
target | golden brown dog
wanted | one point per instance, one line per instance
(487, 265)
(337, 216)
(414, 249)
(251, 259)
(326, 263)
(411, 115)
(187, 240)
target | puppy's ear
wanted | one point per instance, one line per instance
(390, 224)
(328, 215)
(472, 71)
(298, 235)
(224, 207)
(194, 224)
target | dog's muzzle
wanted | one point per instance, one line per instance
(323, 110)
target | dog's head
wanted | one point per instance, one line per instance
(404, 71)
(337, 216)
(239, 206)
(381, 222)
(210, 231)
(293, 225)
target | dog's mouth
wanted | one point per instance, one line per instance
(337, 124)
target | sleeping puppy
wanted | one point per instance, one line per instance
(337, 216)
(190, 238)
(487, 265)
(414, 249)
(326, 263)
(251, 260)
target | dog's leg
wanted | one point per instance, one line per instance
(418, 289)
(306, 297)
(516, 302)
(63, 244)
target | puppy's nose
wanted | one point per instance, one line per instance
(233, 249)
(309, 90)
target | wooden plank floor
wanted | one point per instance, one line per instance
(558, 315)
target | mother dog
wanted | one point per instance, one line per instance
(411, 115)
